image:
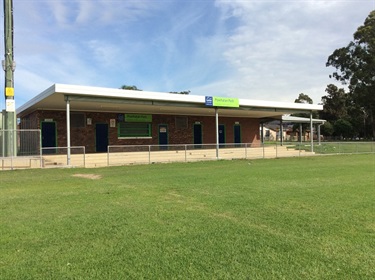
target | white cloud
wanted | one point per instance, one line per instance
(280, 48)
(270, 50)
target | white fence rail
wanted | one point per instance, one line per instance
(59, 156)
(148, 154)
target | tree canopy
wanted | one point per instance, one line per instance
(355, 65)
(303, 98)
(130, 87)
(135, 88)
(180, 92)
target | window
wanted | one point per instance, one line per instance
(77, 120)
(181, 122)
(126, 129)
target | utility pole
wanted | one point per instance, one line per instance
(10, 148)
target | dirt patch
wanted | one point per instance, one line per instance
(88, 176)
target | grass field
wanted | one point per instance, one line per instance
(290, 218)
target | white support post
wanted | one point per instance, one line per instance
(319, 134)
(217, 132)
(281, 133)
(68, 129)
(311, 133)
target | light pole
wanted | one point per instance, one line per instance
(9, 67)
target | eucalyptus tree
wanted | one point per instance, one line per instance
(355, 65)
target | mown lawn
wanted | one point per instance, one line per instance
(290, 218)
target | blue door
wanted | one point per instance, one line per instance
(222, 135)
(48, 137)
(197, 135)
(237, 134)
(101, 136)
(163, 136)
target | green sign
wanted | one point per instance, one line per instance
(225, 102)
(138, 118)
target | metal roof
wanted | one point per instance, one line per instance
(293, 119)
(98, 99)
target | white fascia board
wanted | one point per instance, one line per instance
(155, 96)
(280, 105)
(170, 97)
(49, 91)
(130, 94)
(301, 119)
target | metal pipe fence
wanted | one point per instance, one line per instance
(30, 157)
(64, 156)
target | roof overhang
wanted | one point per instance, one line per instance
(292, 119)
(97, 99)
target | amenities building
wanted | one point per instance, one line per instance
(95, 117)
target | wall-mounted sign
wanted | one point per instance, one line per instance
(209, 101)
(120, 117)
(222, 101)
(138, 118)
(9, 91)
(89, 121)
(10, 105)
(112, 122)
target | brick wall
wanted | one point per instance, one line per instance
(85, 136)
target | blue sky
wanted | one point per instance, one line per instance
(266, 50)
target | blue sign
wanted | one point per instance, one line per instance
(209, 101)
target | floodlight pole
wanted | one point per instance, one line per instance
(9, 67)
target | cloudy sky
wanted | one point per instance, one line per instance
(267, 50)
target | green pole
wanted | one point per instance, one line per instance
(9, 67)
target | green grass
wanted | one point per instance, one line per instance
(345, 147)
(290, 218)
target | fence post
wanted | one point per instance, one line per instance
(245, 150)
(108, 155)
(263, 150)
(185, 153)
(149, 154)
(276, 149)
(84, 156)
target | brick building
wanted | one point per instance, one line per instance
(94, 117)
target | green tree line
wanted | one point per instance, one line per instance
(350, 111)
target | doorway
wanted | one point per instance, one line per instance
(49, 137)
(197, 131)
(237, 134)
(101, 136)
(222, 135)
(163, 136)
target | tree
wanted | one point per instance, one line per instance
(327, 129)
(130, 87)
(186, 92)
(303, 98)
(343, 128)
(334, 104)
(355, 66)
